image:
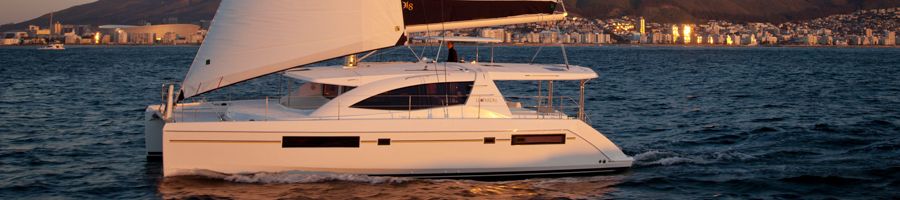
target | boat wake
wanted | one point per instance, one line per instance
(662, 158)
(293, 177)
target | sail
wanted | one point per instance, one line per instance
(249, 39)
(436, 15)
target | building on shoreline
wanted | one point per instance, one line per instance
(864, 28)
(170, 34)
(860, 28)
(162, 34)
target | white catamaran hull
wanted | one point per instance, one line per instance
(423, 119)
(433, 148)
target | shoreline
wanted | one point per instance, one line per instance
(669, 45)
(535, 45)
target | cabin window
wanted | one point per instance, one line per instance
(332, 91)
(539, 139)
(423, 96)
(320, 141)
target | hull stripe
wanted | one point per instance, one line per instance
(226, 141)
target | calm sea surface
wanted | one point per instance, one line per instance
(704, 123)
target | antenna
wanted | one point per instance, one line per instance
(50, 26)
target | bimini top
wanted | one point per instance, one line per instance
(370, 72)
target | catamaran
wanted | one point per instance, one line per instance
(426, 119)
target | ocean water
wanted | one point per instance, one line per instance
(701, 123)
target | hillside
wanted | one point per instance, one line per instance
(679, 11)
(127, 12)
(134, 12)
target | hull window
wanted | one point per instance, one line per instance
(538, 139)
(320, 142)
(489, 140)
(425, 96)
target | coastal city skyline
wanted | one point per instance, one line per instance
(875, 27)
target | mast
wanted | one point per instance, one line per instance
(50, 26)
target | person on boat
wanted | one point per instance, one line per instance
(451, 53)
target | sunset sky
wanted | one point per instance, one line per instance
(14, 11)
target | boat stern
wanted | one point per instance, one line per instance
(153, 129)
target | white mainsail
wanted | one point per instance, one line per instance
(249, 39)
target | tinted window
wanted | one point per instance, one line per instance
(319, 141)
(419, 97)
(539, 139)
(332, 91)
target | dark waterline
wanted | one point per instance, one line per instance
(700, 122)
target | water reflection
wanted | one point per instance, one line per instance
(279, 186)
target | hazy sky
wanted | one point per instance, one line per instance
(15, 11)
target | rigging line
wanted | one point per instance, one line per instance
(439, 47)
(414, 53)
(562, 46)
(446, 84)
(370, 54)
(563, 3)
(536, 54)
(436, 60)
(427, 31)
(424, 46)
(444, 36)
(379, 53)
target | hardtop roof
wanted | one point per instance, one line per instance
(369, 72)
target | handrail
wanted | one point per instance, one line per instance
(414, 107)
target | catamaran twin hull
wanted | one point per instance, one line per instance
(425, 119)
(428, 148)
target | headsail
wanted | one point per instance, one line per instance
(249, 39)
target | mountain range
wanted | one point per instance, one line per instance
(136, 12)
(686, 11)
(127, 12)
